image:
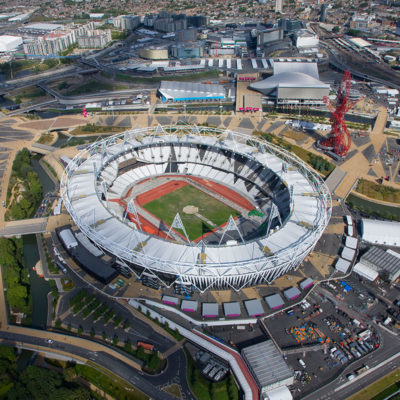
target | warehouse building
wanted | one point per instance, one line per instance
(190, 91)
(294, 83)
(386, 263)
(269, 375)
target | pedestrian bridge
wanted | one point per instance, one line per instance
(24, 227)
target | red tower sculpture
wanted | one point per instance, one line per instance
(339, 139)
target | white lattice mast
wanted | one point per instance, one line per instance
(273, 213)
(178, 224)
(231, 226)
(131, 208)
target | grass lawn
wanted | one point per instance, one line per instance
(374, 209)
(206, 390)
(96, 129)
(375, 390)
(166, 207)
(174, 390)
(378, 192)
(109, 383)
(92, 86)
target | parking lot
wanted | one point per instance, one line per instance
(319, 341)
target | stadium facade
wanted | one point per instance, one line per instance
(290, 200)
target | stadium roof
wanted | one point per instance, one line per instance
(266, 373)
(176, 90)
(380, 232)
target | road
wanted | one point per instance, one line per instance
(388, 348)
(137, 378)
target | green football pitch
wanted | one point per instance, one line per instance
(166, 207)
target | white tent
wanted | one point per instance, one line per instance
(380, 232)
(279, 393)
(351, 242)
(348, 254)
(365, 272)
(342, 265)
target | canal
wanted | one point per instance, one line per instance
(39, 287)
(47, 183)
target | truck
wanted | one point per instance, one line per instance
(361, 370)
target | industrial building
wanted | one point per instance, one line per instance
(9, 43)
(190, 91)
(386, 263)
(294, 83)
(268, 367)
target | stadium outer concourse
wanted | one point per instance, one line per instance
(292, 205)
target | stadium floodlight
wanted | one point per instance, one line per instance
(131, 208)
(178, 224)
(273, 213)
(231, 226)
(159, 130)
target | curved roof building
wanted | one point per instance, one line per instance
(293, 81)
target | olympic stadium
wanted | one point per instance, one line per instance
(196, 205)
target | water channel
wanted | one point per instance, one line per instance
(39, 287)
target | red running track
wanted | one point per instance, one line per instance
(224, 192)
(159, 191)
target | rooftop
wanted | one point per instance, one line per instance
(266, 373)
